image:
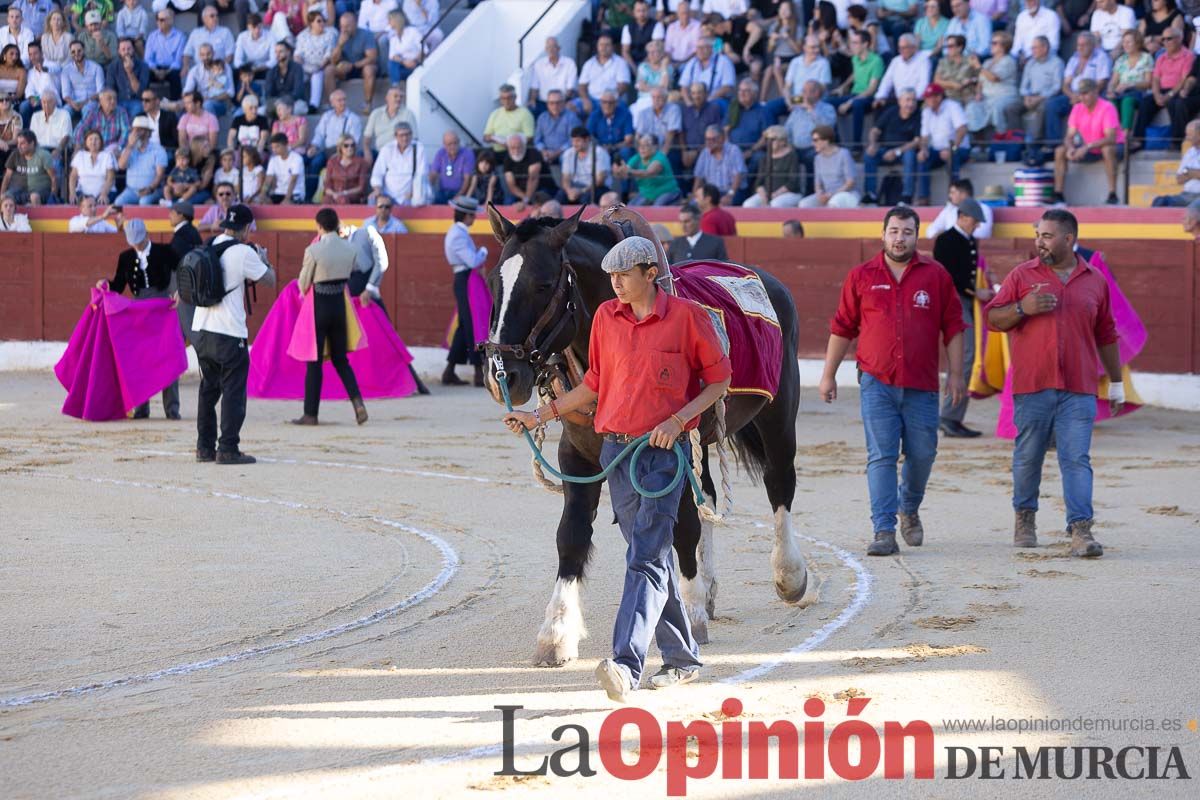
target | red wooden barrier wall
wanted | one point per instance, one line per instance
(44, 281)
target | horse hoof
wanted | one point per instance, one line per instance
(792, 591)
(700, 632)
(553, 655)
(710, 604)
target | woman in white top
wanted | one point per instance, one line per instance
(56, 43)
(10, 220)
(92, 170)
(314, 46)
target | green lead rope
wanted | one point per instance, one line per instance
(635, 447)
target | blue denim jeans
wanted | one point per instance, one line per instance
(1068, 417)
(897, 420)
(924, 171)
(1057, 109)
(650, 601)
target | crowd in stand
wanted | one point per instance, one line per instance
(773, 103)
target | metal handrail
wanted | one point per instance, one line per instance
(436, 25)
(443, 107)
(521, 41)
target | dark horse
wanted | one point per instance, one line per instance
(545, 290)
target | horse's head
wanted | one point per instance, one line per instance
(533, 301)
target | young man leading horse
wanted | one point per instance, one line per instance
(655, 365)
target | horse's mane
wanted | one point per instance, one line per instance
(595, 232)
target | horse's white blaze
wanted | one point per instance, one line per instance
(558, 640)
(509, 271)
(787, 562)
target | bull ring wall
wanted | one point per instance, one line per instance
(45, 275)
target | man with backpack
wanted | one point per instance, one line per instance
(213, 278)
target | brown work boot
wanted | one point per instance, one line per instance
(1025, 529)
(450, 379)
(360, 410)
(1083, 544)
(307, 419)
(884, 544)
(911, 529)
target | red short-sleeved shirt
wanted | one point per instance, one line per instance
(718, 222)
(1058, 349)
(898, 324)
(645, 371)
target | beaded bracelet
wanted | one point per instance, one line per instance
(554, 409)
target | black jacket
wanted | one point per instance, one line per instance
(168, 128)
(185, 240)
(293, 85)
(160, 263)
(708, 247)
(959, 254)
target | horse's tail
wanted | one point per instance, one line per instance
(750, 451)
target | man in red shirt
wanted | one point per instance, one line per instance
(898, 305)
(1056, 311)
(714, 220)
(655, 364)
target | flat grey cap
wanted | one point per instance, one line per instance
(629, 253)
(970, 207)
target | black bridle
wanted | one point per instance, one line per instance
(563, 304)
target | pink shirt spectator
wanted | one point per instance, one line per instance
(291, 128)
(680, 42)
(1092, 124)
(198, 126)
(1171, 71)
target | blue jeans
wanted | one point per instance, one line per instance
(871, 172)
(132, 107)
(1068, 417)
(895, 420)
(397, 72)
(859, 106)
(1057, 109)
(215, 107)
(925, 171)
(129, 197)
(650, 601)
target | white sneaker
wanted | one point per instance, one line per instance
(614, 679)
(669, 676)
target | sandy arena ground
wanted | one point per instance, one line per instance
(339, 620)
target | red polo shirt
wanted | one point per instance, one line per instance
(897, 324)
(646, 370)
(718, 222)
(1058, 349)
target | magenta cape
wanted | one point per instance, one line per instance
(381, 369)
(480, 300)
(1132, 339)
(122, 353)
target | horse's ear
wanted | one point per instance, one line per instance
(501, 227)
(564, 230)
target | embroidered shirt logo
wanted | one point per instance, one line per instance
(665, 375)
(921, 299)
(882, 286)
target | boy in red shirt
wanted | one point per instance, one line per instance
(1056, 311)
(898, 305)
(655, 364)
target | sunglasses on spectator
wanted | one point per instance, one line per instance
(347, 145)
(224, 194)
(163, 19)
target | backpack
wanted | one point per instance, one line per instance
(200, 277)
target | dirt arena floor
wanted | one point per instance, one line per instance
(340, 620)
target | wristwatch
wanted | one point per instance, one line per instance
(1020, 311)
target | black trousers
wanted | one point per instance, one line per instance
(330, 311)
(170, 395)
(462, 347)
(224, 365)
